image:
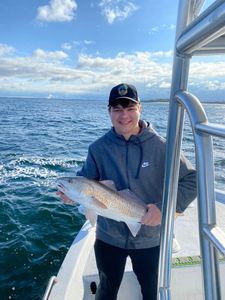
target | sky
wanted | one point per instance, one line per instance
(81, 49)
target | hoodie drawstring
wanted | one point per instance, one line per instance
(140, 158)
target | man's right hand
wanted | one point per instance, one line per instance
(64, 198)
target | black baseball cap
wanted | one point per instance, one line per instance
(123, 91)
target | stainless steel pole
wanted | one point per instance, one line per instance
(206, 195)
(174, 137)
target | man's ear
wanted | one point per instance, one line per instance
(109, 110)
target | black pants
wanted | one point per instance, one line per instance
(111, 264)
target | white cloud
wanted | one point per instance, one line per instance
(162, 27)
(52, 55)
(66, 46)
(114, 10)
(207, 76)
(204, 70)
(5, 49)
(57, 11)
(154, 29)
(46, 72)
(88, 42)
(49, 72)
(160, 54)
(82, 45)
(164, 85)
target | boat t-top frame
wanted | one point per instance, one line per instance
(196, 34)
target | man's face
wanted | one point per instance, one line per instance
(126, 120)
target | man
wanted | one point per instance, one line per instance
(132, 154)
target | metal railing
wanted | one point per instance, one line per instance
(194, 35)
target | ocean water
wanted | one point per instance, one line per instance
(40, 141)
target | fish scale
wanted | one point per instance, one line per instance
(125, 206)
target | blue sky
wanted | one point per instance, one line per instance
(80, 49)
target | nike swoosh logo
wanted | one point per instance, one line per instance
(145, 164)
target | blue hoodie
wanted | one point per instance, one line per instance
(137, 164)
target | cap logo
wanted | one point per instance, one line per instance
(123, 90)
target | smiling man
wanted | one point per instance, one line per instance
(132, 155)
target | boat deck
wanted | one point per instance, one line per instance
(185, 261)
(186, 282)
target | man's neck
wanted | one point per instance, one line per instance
(127, 136)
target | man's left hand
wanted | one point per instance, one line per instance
(153, 216)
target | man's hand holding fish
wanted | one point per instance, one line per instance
(153, 216)
(64, 198)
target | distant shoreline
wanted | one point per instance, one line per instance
(167, 101)
(85, 99)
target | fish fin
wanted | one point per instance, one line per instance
(98, 203)
(128, 194)
(134, 228)
(91, 216)
(88, 213)
(109, 183)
